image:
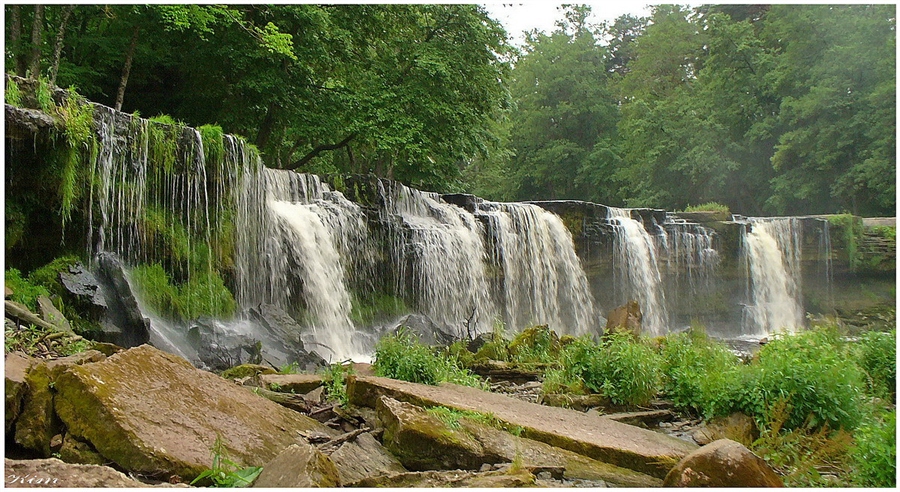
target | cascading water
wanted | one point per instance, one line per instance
(637, 269)
(688, 252)
(439, 250)
(772, 249)
(542, 279)
(299, 257)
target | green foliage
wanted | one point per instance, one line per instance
(875, 452)
(535, 344)
(707, 207)
(24, 290)
(800, 453)
(44, 96)
(13, 95)
(48, 275)
(402, 356)
(877, 353)
(213, 145)
(224, 472)
(335, 381)
(851, 231)
(814, 373)
(78, 119)
(700, 374)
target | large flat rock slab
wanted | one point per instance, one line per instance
(153, 413)
(53, 473)
(601, 439)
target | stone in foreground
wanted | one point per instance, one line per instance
(724, 463)
(53, 473)
(423, 442)
(153, 413)
(600, 439)
(300, 465)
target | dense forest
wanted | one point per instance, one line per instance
(782, 109)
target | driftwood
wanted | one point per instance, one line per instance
(294, 402)
(332, 445)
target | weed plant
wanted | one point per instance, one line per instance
(707, 207)
(225, 472)
(700, 374)
(335, 382)
(875, 452)
(13, 95)
(44, 96)
(24, 290)
(402, 356)
(877, 356)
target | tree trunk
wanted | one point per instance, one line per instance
(266, 127)
(126, 70)
(37, 29)
(15, 39)
(322, 148)
(60, 36)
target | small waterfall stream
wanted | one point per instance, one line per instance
(637, 269)
(772, 248)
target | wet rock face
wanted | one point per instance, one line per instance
(153, 413)
(724, 463)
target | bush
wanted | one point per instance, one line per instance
(700, 374)
(402, 356)
(877, 355)
(536, 344)
(624, 370)
(707, 207)
(875, 453)
(814, 373)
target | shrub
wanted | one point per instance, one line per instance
(707, 207)
(814, 373)
(402, 356)
(13, 95)
(877, 355)
(536, 344)
(335, 382)
(700, 374)
(875, 452)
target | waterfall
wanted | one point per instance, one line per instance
(440, 253)
(687, 251)
(636, 269)
(542, 280)
(298, 260)
(772, 249)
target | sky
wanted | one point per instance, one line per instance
(524, 16)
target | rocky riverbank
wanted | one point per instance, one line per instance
(156, 418)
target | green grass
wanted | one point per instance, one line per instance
(24, 290)
(707, 207)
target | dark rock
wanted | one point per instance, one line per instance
(425, 329)
(649, 419)
(218, 349)
(627, 317)
(464, 200)
(84, 287)
(75, 450)
(280, 334)
(124, 324)
(724, 463)
(300, 465)
(23, 123)
(506, 371)
(479, 341)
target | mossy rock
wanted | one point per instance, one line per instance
(153, 413)
(247, 371)
(16, 370)
(300, 465)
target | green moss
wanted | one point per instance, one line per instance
(213, 147)
(246, 370)
(369, 309)
(162, 138)
(203, 294)
(850, 231)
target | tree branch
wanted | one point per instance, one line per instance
(322, 148)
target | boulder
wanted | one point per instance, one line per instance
(425, 329)
(123, 324)
(53, 473)
(153, 413)
(219, 349)
(52, 315)
(422, 442)
(74, 450)
(600, 439)
(362, 458)
(724, 463)
(299, 384)
(17, 366)
(37, 423)
(84, 290)
(626, 317)
(300, 465)
(280, 334)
